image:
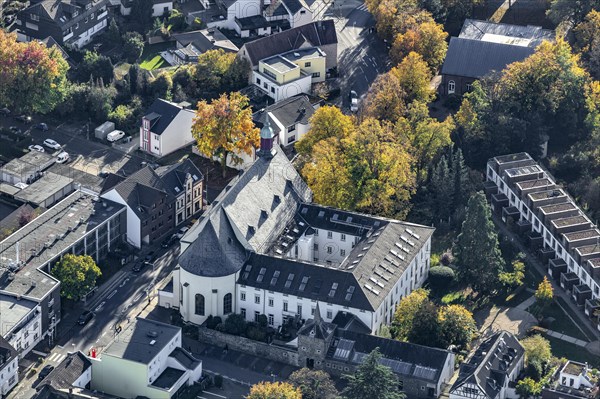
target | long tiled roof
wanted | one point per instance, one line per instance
(67, 372)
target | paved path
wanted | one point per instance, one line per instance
(567, 338)
(526, 303)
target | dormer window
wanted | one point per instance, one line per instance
(34, 17)
(75, 13)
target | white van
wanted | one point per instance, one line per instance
(63, 157)
(115, 135)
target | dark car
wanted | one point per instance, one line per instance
(42, 126)
(15, 130)
(23, 118)
(85, 317)
(45, 371)
(138, 266)
(149, 257)
(166, 242)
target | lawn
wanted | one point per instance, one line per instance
(562, 323)
(151, 58)
(571, 351)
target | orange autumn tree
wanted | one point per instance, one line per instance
(274, 390)
(223, 128)
(32, 77)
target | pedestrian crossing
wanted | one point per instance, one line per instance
(362, 7)
(56, 357)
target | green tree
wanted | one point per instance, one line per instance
(439, 191)
(326, 122)
(457, 326)
(372, 380)
(544, 295)
(114, 33)
(441, 277)
(570, 11)
(224, 129)
(141, 14)
(460, 178)
(537, 349)
(235, 324)
(477, 252)
(77, 275)
(32, 77)
(217, 72)
(162, 86)
(313, 384)
(95, 66)
(515, 277)
(176, 20)
(274, 390)
(100, 100)
(404, 316)
(527, 387)
(133, 46)
(426, 328)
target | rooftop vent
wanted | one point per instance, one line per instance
(296, 54)
(152, 342)
(152, 334)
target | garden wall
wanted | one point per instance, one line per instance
(248, 346)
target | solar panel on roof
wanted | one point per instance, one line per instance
(397, 366)
(343, 349)
(427, 373)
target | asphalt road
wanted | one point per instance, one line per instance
(112, 308)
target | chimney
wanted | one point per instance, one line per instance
(266, 140)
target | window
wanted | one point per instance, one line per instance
(243, 296)
(257, 299)
(329, 314)
(451, 87)
(265, 85)
(312, 311)
(227, 304)
(291, 139)
(302, 12)
(199, 304)
(258, 81)
(271, 319)
(34, 17)
(316, 247)
(285, 306)
(469, 87)
(256, 316)
(291, 128)
(243, 312)
(270, 302)
(343, 237)
(342, 252)
(300, 310)
(329, 234)
(316, 74)
(329, 250)
(316, 232)
(272, 90)
(307, 64)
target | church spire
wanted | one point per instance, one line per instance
(266, 139)
(317, 317)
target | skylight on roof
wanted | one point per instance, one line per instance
(195, 177)
(177, 189)
(321, 214)
(275, 277)
(261, 274)
(303, 283)
(289, 280)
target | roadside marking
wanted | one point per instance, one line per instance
(214, 394)
(99, 307)
(112, 294)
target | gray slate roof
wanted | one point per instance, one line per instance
(293, 110)
(476, 58)
(67, 372)
(202, 40)
(474, 29)
(142, 340)
(161, 113)
(174, 176)
(142, 190)
(315, 34)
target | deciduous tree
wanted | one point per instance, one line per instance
(427, 39)
(133, 46)
(515, 277)
(314, 384)
(218, 72)
(386, 99)
(162, 86)
(544, 293)
(426, 328)
(457, 326)
(372, 380)
(404, 315)
(414, 77)
(478, 256)
(527, 388)
(77, 275)
(537, 349)
(274, 390)
(326, 122)
(141, 14)
(224, 128)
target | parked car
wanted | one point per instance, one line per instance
(23, 118)
(353, 101)
(63, 157)
(115, 135)
(15, 130)
(4, 111)
(36, 147)
(42, 126)
(85, 317)
(138, 266)
(52, 144)
(149, 257)
(45, 371)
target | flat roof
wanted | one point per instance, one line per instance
(30, 162)
(542, 195)
(570, 221)
(580, 235)
(9, 189)
(45, 238)
(12, 311)
(142, 340)
(521, 156)
(523, 185)
(280, 64)
(167, 378)
(43, 188)
(588, 249)
(523, 170)
(304, 53)
(565, 206)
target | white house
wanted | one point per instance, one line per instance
(145, 359)
(21, 322)
(264, 248)
(9, 367)
(159, 7)
(491, 369)
(165, 128)
(295, 12)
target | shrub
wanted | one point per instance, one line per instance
(256, 333)
(535, 370)
(263, 321)
(435, 260)
(213, 322)
(218, 380)
(441, 276)
(235, 324)
(447, 258)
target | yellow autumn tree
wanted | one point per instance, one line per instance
(326, 122)
(274, 390)
(385, 100)
(224, 128)
(406, 310)
(414, 76)
(427, 39)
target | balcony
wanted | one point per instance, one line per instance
(67, 36)
(591, 307)
(102, 15)
(581, 293)
(556, 267)
(568, 280)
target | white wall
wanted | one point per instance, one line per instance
(301, 85)
(84, 379)
(9, 376)
(28, 336)
(173, 138)
(302, 17)
(133, 222)
(158, 10)
(87, 36)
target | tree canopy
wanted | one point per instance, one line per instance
(313, 384)
(32, 77)
(372, 380)
(77, 275)
(274, 390)
(224, 128)
(427, 39)
(478, 256)
(544, 293)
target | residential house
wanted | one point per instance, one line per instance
(321, 34)
(422, 371)
(263, 247)
(294, 12)
(190, 45)
(484, 47)
(9, 367)
(289, 118)
(490, 372)
(146, 359)
(285, 75)
(73, 375)
(530, 201)
(68, 22)
(166, 127)
(30, 300)
(573, 380)
(157, 200)
(159, 7)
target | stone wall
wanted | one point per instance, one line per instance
(248, 346)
